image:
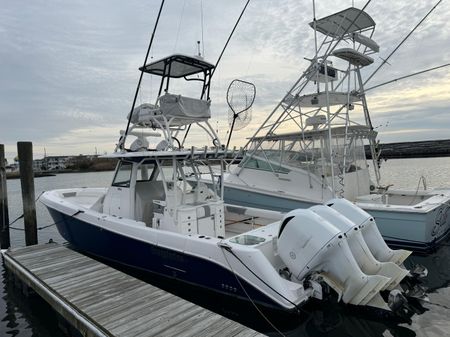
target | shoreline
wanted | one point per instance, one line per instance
(16, 174)
(416, 149)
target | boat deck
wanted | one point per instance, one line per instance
(236, 224)
(101, 301)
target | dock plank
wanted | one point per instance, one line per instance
(101, 301)
(158, 315)
(184, 312)
(122, 308)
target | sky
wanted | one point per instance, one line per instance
(69, 69)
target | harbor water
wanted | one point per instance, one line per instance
(22, 316)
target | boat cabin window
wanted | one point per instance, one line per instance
(260, 164)
(123, 174)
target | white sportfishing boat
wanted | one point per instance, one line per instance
(311, 147)
(158, 217)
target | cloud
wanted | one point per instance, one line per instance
(71, 67)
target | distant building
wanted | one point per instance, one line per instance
(38, 165)
(51, 163)
(56, 163)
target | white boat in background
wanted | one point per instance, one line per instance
(158, 217)
(311, 147)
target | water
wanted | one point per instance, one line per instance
(22, 316)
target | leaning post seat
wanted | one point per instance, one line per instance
(181, 109)
(185, 107)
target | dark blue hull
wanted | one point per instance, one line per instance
(146, 258)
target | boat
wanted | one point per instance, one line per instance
(311, 146)
(158, 217)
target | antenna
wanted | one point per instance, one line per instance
(201, 16)
(240, 98)
(198, 49)
(221, 54)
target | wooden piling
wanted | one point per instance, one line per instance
(5, 242)
(25, 152)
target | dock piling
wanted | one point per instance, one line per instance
(5, 241)
(25, 152)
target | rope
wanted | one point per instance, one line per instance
(13, 222)
(246, 294)
(46, 226)
(21, 216)
(259, 278)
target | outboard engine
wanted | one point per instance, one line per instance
(370, 232)
(361, 252)
(308, 243)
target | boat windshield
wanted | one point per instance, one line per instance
(122, 177)
(311, 154)
(177, 176)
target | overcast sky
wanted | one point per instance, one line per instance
(69, 68)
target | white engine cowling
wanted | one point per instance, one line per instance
(308, 243)
(369, 229)
(361, 252)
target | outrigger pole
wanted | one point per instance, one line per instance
(220, 57)
(398, 46)
(122, 139)
(229, 37)
(406, 76)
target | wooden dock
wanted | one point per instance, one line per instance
(101, 301)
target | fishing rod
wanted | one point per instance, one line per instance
(220, 57)
(122, 139)
(410, 75)
(398, 46)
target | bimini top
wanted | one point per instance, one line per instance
(348, 21)
(177, 66)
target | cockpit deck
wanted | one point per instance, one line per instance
(238, 220)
